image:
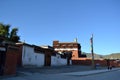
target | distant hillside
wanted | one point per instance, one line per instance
(112, 56)
(97, 56)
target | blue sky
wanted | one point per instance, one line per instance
(42, 21)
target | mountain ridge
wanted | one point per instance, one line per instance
(108, 56)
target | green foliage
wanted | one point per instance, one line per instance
(9, 36)
(13, 35)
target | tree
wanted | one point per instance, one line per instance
(13, 35)
(4, 30)
(9, 36)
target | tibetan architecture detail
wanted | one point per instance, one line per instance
(68, 47)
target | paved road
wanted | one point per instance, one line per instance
(64, 73)
(58, 69)
(110, 75)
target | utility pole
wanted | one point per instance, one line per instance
(92, 52)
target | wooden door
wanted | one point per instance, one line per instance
(47, 59)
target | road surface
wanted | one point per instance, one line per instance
(110, 75)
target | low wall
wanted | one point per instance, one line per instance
(58, 61)
(85, 61)
(115, 63)
(31, 58)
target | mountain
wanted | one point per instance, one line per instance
(97, 56)
(112, 56)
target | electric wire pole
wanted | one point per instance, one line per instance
(92, 52)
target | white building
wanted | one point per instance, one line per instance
(58, 61)
(30, 57)
(36, 56)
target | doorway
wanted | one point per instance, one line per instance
(47, 60)
(2, 61)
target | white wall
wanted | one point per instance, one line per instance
(29, 57)
(58, 61)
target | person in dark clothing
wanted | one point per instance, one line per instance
(108, 64)
(110, 67)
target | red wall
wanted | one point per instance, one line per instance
(85, 61)
(19, 56)
(11, 60)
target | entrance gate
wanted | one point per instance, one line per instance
(2, 59)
